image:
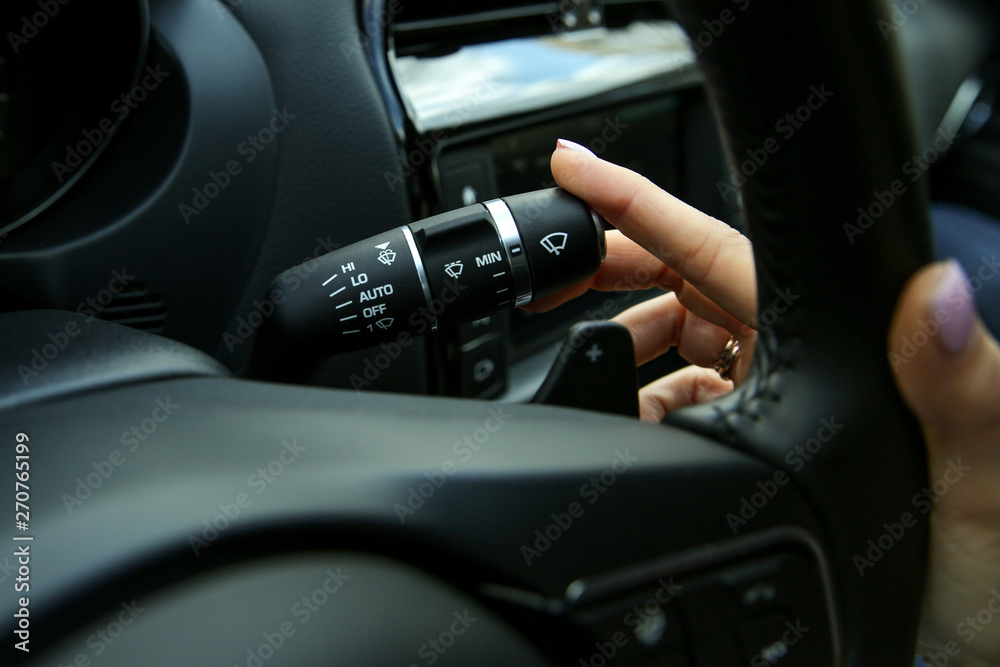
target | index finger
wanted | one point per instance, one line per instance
(627, 266)
(705, 252)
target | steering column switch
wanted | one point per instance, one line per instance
(448, 269)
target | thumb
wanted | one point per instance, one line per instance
(947, 368)
(946, 364)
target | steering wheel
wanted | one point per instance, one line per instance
(187, 516)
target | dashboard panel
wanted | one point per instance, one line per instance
(178, 219)
(181, 222)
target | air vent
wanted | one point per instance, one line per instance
(443, 26)
(138, 308)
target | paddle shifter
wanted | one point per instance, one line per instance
(451, 268)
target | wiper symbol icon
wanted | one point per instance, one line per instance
(555, 242)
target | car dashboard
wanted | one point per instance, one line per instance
(258, 135)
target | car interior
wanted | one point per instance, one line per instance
(212, 466)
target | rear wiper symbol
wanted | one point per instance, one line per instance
(555, 242)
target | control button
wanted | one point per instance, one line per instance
(491, 325)
(594, 370)
(454, 269)
(465, 184)
(594, 353)
(650, 629)
(482, 368)
(464, 260)
(762, 585)
(386, 254)
(366, 288)
(768, 640)
(770, 611)
(467, 176)
(572, 236)
(555, 242)
(646, 624)
(469, 195)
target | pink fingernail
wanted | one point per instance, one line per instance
(573, 146)
(954, 307)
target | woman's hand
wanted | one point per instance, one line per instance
(949, 378)
(706, 265)
(951, 381)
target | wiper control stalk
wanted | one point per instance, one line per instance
(451, 268)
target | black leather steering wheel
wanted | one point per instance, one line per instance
(502, 514)
(826, 356)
